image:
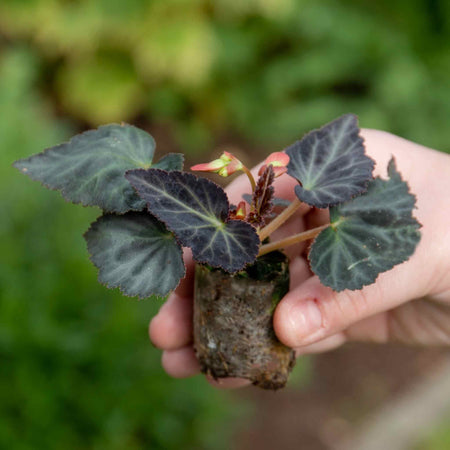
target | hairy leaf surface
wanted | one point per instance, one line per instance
(90, 168)
(330, 163)
(136, 253)
(276, 201)
(262, 199)
(368, 235)
(196, 210)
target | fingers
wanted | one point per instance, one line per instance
(180, 363)
(171, 328)
(228, 383)
(186, 286)
(325, 345)
(299, 272)
(312, 312)
(420, 322)
(317, 217)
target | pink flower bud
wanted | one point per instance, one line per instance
(278, 160)
(225, 166)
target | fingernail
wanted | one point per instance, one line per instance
(305, 319)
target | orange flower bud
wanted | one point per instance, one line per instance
(278, 160)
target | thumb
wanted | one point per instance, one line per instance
(312, 312)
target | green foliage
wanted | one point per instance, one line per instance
(77, 367)
(269, 69)
(330, 163)
(90, 168)
(368, 235)
(135, 252)
(197, 211)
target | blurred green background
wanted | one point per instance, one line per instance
(77, 370)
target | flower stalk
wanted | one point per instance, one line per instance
(291, 240)
(280, 219)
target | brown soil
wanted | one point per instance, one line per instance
(233, 315)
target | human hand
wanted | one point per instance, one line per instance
(410, 303)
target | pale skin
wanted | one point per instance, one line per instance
(408, 304)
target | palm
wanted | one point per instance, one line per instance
(410, 303)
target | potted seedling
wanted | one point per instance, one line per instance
(151, 210)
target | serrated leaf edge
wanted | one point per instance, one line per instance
(366, 183)
(392, 166)
(201, 261)
(63, 192)
(139, 297)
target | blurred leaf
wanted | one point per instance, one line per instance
(194, 136)
(178, 49)
(100, 90)
(269, 70)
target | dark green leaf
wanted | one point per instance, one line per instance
(368, 235)
(90, 168)
(136, 253)
(196, 210)
(330, 163)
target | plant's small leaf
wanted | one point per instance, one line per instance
(136, 253)
(330, 163)
(368, 235)
(276, 201)
(90, 168)
(261, 205)
(171, 161)
(196, 210)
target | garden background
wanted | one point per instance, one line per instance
(77, 369)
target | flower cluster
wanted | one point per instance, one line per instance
(228, 164)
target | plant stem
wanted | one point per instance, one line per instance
(279, 220)
(300, 237)
(250, 177)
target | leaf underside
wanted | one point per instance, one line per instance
(136, 253)
(330, 163)
(196, 210)
(90, 168)
(368, 235)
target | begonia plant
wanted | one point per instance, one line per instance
(151, 210)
